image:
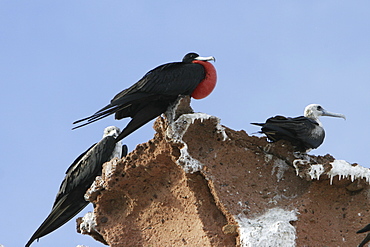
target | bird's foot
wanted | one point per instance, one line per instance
(180, 107)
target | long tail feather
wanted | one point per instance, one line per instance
(365, 229)
(258, 124)
(97, 116)
(58, 217)
(365, 241)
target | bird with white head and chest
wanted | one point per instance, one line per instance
(304, 132)
(119, 149)
(79, 177)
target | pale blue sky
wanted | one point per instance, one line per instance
(61, 61)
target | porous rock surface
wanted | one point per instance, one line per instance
(197, 183)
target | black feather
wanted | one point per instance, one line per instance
(299, 131)
(79, 177)
(152, 94)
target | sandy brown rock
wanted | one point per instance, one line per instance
(147, 199)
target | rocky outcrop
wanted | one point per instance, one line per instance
(198, 183)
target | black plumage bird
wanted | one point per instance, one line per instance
(304, 132)
(157, 90)
(79, 177)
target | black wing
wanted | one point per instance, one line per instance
(365, 240)
(365, 229)
(163, 83)
(296, 130)
(147, 112)
(124, 151)
(79, 177)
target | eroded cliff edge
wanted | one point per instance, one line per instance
(197, 183)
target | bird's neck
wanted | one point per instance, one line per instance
(117, 152)
(206, 86)
(313, 117)
(317, 120)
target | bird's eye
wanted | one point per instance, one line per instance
(319, 108)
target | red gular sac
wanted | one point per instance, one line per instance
(207, 85)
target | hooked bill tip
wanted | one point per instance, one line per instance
(206, 58)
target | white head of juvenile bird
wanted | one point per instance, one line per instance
(314, 111)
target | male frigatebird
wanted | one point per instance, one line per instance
(304, 132)
(79, 177)
(157, 90)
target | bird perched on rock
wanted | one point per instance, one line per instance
(157, 90)
(304, 132)
(79, 177)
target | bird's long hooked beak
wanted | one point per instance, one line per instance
(331, 114)
(206, 58)
(115, 134)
